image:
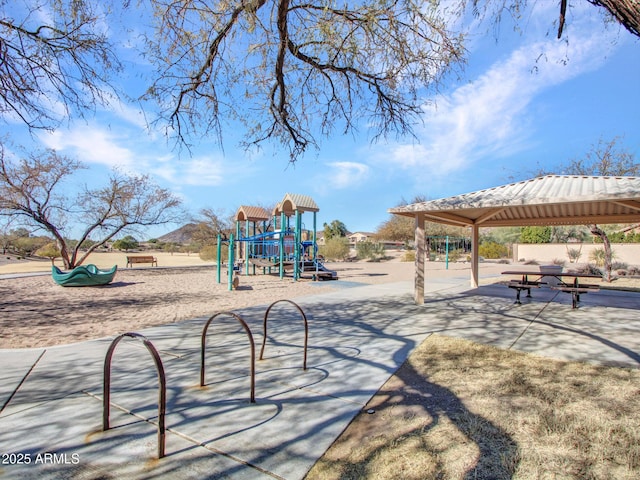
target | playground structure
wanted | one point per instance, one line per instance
(276, 242)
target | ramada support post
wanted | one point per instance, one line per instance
(420, 263)
(475, 236)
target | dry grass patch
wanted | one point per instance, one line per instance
(457, 409)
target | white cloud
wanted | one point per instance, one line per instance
(346, 174)
(202, 171)
(91, 145)
(99, 146)
(133, 115)
(492, 115)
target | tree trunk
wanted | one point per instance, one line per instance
(598, 232)
(625, 11)
(64, 253)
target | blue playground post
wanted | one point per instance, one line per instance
(247, 246)
(282, 234)
(296, 245)
(219, 258)
(231, 262)
(315, 246)
(446, 256)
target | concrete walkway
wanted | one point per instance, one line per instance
(51, 399)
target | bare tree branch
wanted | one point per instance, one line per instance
(31, 189)
(285, 68)
(66, 64)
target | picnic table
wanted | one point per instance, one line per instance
(572, 286)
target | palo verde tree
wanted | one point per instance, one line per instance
(402, 229)
(606, 158)
(32, 191)
(209, 224)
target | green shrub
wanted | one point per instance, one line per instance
(619, 265)
(493, 250)
(336, 248)
(574, 254)
(409, 256)
(127, 243)
(454, 255)
(598, 256)
(50, 251)
(590, 269)
(370, 251)
(535, 234)
(210, 253)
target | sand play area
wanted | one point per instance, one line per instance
(36, 312)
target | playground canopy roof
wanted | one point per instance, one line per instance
(253, 214)
(292, 202)
(548, 200)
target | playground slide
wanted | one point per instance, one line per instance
(333, 273)
(323, 272)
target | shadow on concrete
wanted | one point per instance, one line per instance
(358, 339)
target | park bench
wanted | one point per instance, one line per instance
(131, 259)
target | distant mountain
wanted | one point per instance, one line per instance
(182, 235)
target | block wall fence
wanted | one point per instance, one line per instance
(628, 253)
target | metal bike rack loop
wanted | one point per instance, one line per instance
(162, 394)
(306, 329)
(253, 350)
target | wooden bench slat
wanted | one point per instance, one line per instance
(581, 287)
(518, 284)
(131, 259)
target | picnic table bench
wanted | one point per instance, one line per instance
(519, 285)
(131, 259)
(574, 288)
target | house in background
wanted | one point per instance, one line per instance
(357, 237)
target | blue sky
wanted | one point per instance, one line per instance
(524, 101)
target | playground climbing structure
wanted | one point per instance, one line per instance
(276, 241)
